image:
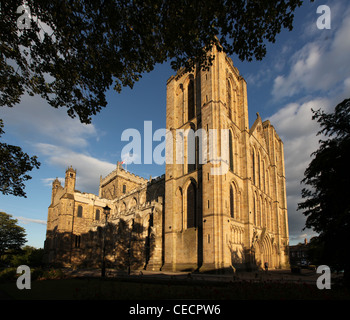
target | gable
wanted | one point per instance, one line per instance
(256, 132)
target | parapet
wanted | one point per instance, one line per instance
(120, 171)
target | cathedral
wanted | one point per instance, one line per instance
(189, 219)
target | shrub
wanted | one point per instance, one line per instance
(29, 256)
(8, 274)
(53, 274)
(36, 273)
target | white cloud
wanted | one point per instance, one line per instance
(299, 238)
(34, 119)
(30, 220)
(88, 168)
(298, 131)
(296, 128)
(319, 73)
(318, 65)
(261, 77)
(55, 135)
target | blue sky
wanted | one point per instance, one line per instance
(306, 68)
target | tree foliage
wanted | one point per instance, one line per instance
(29, 256)
(75, 50)
(14, 165)
(327, 198)
(12, 236)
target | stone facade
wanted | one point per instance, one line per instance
(190, 218)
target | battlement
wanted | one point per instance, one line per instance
(120, 171)
(156, 179)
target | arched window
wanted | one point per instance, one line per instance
(192, 148)
(77, 241)
(232, 203)
(80, 211)
(263, 176)
(180, 150)
(267, 175)
(255, 211)
(259, 170)
(253, 162)
(231, 150)
(267, 215)
(234, 106)
(190, 100)
(261, 218)
(97, 214)
(229, 99)
(272, 226)
(191, 206)
(133, 203)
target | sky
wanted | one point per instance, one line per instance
(307, 68)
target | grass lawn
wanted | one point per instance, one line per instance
(94, 288)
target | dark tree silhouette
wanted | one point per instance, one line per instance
(327, 198)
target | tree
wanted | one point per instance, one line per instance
(73, 51)
(14, 164)
(12, 236)
(29, 256)
(327, 200)
(70, 52)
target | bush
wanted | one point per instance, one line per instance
(52, 274)
(36, 273)
(29, 256)
(8, 274)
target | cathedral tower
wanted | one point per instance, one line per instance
(56, 185)
(70, 180)
(209, 207)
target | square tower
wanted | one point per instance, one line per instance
(225, 199)
(204, 188)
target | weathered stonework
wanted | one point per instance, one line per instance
(188, 219)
